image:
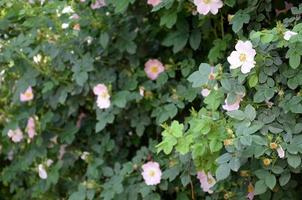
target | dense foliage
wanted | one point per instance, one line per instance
(206, 94)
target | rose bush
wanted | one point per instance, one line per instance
(150, 99)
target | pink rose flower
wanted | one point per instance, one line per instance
(31, 127)
(27, 95)
(103, 97)
(234, 106)
(153, 2)
(243, 57)
(206, 181)
(280, 152)
(151, 173)
(153, 68)
(15, 135)
(206, 6)
(98, 4)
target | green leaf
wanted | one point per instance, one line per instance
(176, 129)
(215, 145)
(104, 39)
(260, 187)
(120, 98)
(214, 99)
(270, 181)
(239, 19)
(195, 39)
(253, 80)
(235, 164)
(223, 171)
(250, 112)
(183, 144)
(293, 160)
(294, 60)
(236, 114)
(201, 76)
(169, 18)
(230, 3)
(284, 178)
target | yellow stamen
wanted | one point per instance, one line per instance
(154, 69)
(151, 173)
(242, 57)
(206, 1)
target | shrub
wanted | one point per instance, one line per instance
(154, 99)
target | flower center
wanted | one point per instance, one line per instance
(104, 95)
(154, 69)
(206, 1)
(151, 173)
(242, 57)
(28, 94)
(210, 181)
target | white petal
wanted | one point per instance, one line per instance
(247, 66)
(234, 60)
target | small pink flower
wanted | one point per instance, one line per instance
(206, 6)
(243, 57)
(153, 68)
(153, 2)
(27, 95)
(15, 135)
(234, 106)
(205, 92)
(98, 4)
(288, 35)
(103, 97)
(31, 128)
(151, 173)
(206, 181)
(280, 152)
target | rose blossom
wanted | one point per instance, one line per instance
(153, 68)
(206, 6)
(243, 57)
(27, 95)
(206, 181)
(31, 128)
(234, 106)
(103, 97)
(151, 173)
(15, 135)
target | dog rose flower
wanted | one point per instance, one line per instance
(206, 6)
(207, 181)
(103, 97)
(243, 57)
(151, 173)
(15, 135)
(234, 106)
(31, 127)
(27, 95)
(154, 68)
(98, 4)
